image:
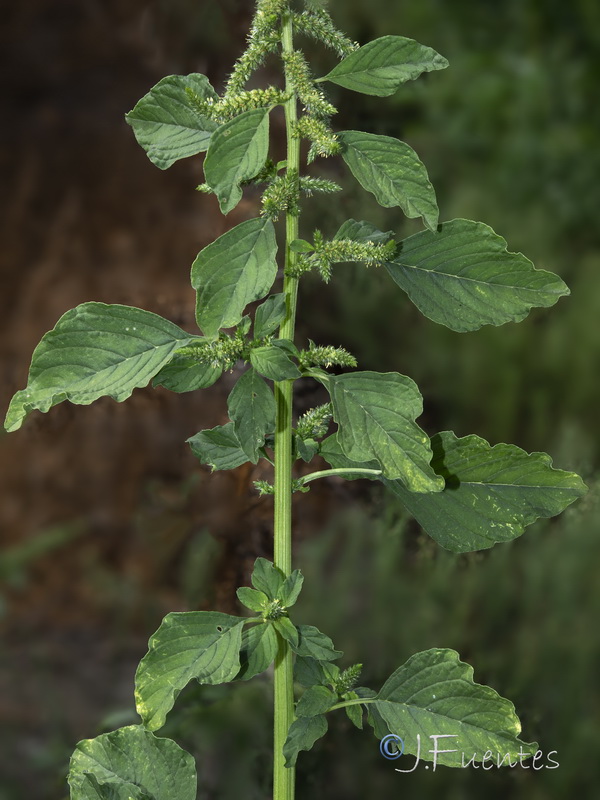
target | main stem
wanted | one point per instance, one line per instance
(283, 777)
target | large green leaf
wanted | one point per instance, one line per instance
(433, 694)
(218, 447)
(333, 454)
(95, 350)
(193, 644)
(252, 408)
(234, 270)
(238, 151)
(302, 735)
(131, 764)
(392, 171)
(376, 415)
(462, 276)
(272, 362)
(183, 373)
(382, 65)
(491, 494)
(315, 700)
(269, 315)
(166, 123)
(314, 644)
(259, 648)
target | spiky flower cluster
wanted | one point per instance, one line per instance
(325, 356)
(347, 679)
(299, 75)
(264, 487)
(317, 23)
(281, 196)
(323, 140)
(226, 108)
(262, 40)
(327, 253)
(311, 185)
(314, 424)
(222, 352)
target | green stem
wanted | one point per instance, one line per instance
(326, 473)
(283, 777)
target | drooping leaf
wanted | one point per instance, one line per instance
(433, 694)
(312, 672)
(381, 66)
(314, 644)
(354, 713)
(362, 231)
(131, 763)
(307, 448)
(95, 350)
(183, 373)
(234, 270)
(376, 415)
(259, 648)
(392, 171)
(287, 630)
(218, 447)
(315, 700)
(463, 277)
(166, 123)
(269, 315)
(302, 735)
(290, 591)
(238, 151)
(267, 578)
(491, 494)
(193, 644)
(252, 408)
(273, 363)
(253, 599)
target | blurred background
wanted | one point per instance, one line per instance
(107, 523)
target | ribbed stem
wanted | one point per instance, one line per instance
(283, 778)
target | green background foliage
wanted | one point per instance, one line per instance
(509, 134)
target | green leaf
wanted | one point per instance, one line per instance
(301, 246)
(333, 454)
(392, 171)
(269, 315)
(253, 599)
(314, 644)
(287, 630)
(252, 408)
(267, 578)
(273, 363)
(259, 648)
(238, 151)
(434, 694)
(463, 277)
(354, 713)
(292, 586)
(491, 494)
(307, 448)
(312, 672)
(165, 122)
(183, 373)
(302, 735)
(234, 270)
(95, 350)
(376, 415)
(193, 644)
(381, 66)
(218, 447)
(362, 231)
(131, 763)
(315, 700)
